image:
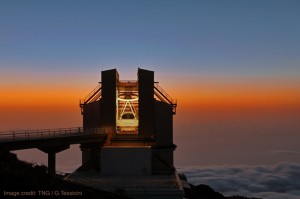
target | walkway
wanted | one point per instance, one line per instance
(51, 141)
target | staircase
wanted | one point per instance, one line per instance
(164, 97)
(93, 96)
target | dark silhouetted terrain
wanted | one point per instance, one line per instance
(20, 177)
(205, 192)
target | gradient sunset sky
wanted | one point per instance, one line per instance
(232, 65)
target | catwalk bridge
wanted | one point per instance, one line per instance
(51, 141)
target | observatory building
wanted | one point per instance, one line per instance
(137, 119)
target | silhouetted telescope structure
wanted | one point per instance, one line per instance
(137, 116)
(127, 136)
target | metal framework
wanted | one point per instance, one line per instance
(127, 117)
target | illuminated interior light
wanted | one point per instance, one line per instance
(127, 119)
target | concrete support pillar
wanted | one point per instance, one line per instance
(91, 155)
(51, 163)
(51, 151)
(95, 159)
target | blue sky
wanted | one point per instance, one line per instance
(54, 50)
(211, 37)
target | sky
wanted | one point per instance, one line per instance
(233, 66)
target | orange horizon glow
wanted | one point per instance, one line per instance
(239, 96)
(67, 102)
(25, 103)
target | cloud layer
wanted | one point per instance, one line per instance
(269, 182)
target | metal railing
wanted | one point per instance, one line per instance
(47, 133)
(163, 96)
(128, 83)
(92, 180)
(87, 180)
(163, 93)
(94, 95)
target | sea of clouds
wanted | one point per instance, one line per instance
(280, 181)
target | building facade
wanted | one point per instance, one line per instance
(137, 117)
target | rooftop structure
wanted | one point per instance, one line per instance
(132, 113)
(137, 117)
